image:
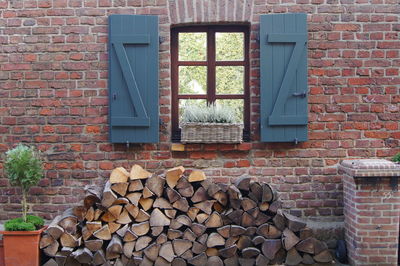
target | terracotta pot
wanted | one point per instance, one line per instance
(21, 247)
(1, 253)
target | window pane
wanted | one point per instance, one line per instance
(192, 46)
(229, 46)
(187, 102)
(236, 105)
(192, 80)
(229, 79)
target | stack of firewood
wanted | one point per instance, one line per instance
(140, 218)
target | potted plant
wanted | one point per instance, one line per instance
(212, 124)
(21, 237)
(396, 158)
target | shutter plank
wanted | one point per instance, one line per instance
(133, 79)
(283, 73)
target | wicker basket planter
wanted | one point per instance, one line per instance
(211, 132)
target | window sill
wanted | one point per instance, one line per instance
(179, 147)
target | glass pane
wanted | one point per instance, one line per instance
(191, 102)
(229, 46)
(192, 46)
(229, 79)
(192, 80)
(236, 105)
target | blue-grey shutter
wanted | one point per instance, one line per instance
(133, 79)
(283, 70)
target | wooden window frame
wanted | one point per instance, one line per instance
(211, 64)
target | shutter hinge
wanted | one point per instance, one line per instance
(258, 37)
(300, 94)
(296, 141)
(161, 39)
(114, 96)
(127, 145)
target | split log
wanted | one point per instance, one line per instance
(52, 249)
(269, 231)
(135, 185)
(114, 248)
(243, 183)
(147, 193)
(89, 214)
(134, 198)
(162, 203)
(181, 246)
(214, 221)
(68, 221)
(94, 245)
(152, 251)
(120, 188)
(141, 229)
(172, 195)
(54, 229)
(306, 245)
(270, 247)
(294, 223)
(182, 205)
(93, 226)
(68, 240)
(173, 175)
(196, 176)
(146, 203)
(214, 260)
(82, 255)
(167, 252)
(103, 233)
(93, 195)
(323, 257)
(244, 242)
(158, 218)
(156, 185)
(119, 175)
(205, 206)
(137, 172)
(289, 239)
(267, 193)
(199, 195)
(142, 216)
(293, 257)
(108, 195)
(228, 252)
(128, 248)
(99, 258)
(124, 217)
(215, 239)
(199, 260)
(250, 252)
(142, 242)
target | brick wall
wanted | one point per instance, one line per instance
(372, 212)
(53, 88)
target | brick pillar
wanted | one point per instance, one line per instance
(371, 210)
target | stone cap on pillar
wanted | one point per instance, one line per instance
(370, 168)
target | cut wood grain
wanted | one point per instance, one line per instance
(137, 172)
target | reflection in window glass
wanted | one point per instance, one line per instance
(229, 46)
(236, 105)
(192, 80)
(229, 79)
(192, 46)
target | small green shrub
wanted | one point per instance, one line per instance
(210, 114)
(396, 158)
(32, 223)
(24, 169)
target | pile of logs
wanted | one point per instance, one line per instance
(140, 218)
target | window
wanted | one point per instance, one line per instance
(210, 64)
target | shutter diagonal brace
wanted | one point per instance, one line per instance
(142, 118)
(277, 117)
